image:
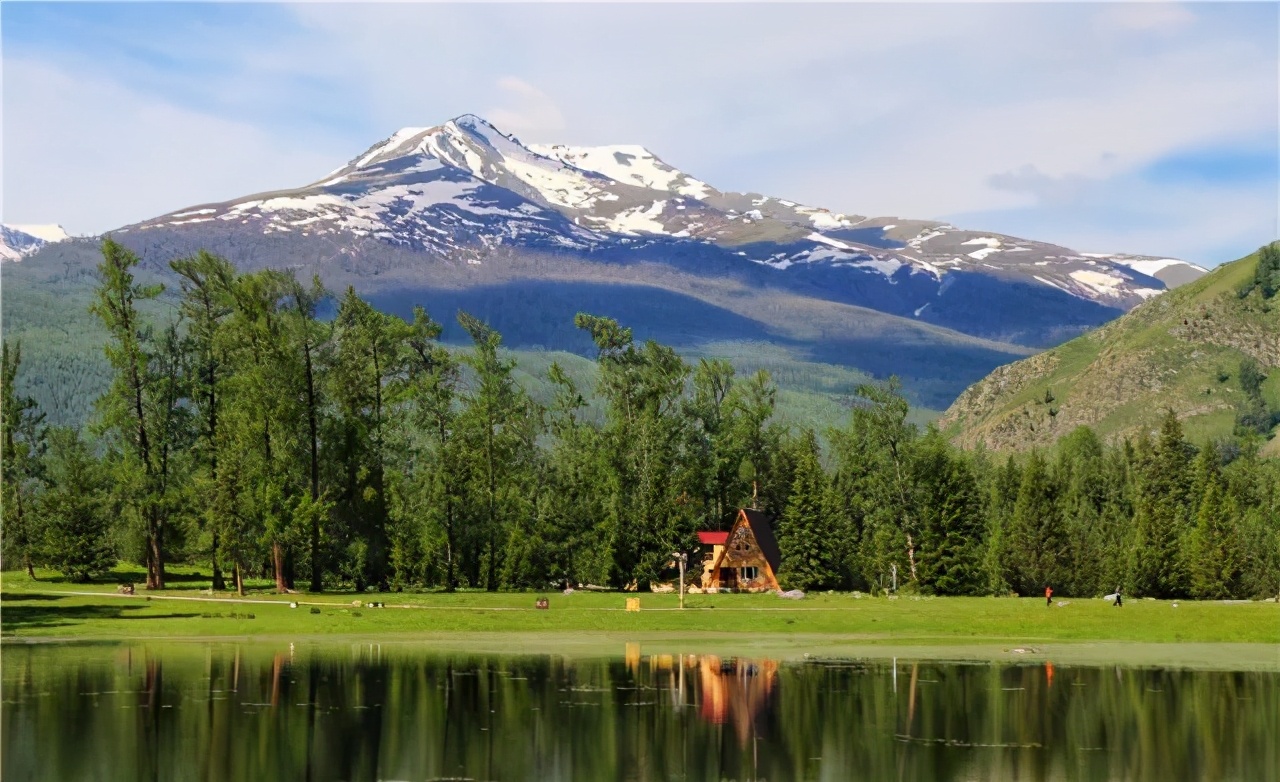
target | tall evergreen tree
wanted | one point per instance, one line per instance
(75, 511)
(1037, 546)
(952, 523)
(643, 432)
(1162, 516)
(134, 409)
(754, 438)
(206, 282)
(1215, 558)
(22, 446)
(885, 442)
(370, 354)
(499, 424)
(440, 472)
(806, 535)
(308, 338)
(715, 457)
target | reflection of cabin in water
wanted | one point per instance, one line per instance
(744, 559)
(736, 692)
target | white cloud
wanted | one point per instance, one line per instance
(1155, 16)
(85, 152)
(525, 110)
(966, 109)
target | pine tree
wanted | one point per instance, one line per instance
(22, 446)
(74, 511)
(438, 474)
(572, 542)
(1161, 516)
(952, 521)
(370, 354)
(308, 340)
(713, 470)
(879, 429)
(1215, 558)
(134, 409)
(498, 421)
(641, 443)
(806, 537)
(1081, 474)
(755, 438)
(206, 282)
(1000, 496)
(1038, 549)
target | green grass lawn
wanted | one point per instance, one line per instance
(51, 608)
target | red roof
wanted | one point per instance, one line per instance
(713, 538)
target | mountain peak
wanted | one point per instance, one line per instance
(17, 241)
(472, 122)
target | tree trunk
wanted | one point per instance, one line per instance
(492, 585)
(313, 428)
(219, 583)
(155, 556)
(451, 573)
(277, 562)
(31, 573)
(288, 569)
(911, 556)
(239, 575)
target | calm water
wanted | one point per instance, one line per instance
(222, 712)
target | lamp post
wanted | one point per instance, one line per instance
(682, 559)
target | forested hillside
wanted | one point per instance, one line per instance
(1209, 350)
(256, 437)
(46, 309)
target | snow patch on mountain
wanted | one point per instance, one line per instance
(1100, 282)
(1150, 266)
(629, 164)
(638, 220)
(51, 232)
(18, 241)
(823, 219)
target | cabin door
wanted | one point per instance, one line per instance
(728, 578)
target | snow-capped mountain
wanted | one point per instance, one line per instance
(1171, 271)
(464, 189)
(17, 241)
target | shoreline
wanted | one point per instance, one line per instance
(807, 647)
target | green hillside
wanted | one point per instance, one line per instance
(1183, 350)
(64, 370)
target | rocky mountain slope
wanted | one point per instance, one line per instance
(18, 241)
(1183, 350)
(463, 190)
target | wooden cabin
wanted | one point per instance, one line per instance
(712, 545)
(747, 560)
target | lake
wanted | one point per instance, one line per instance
(369, 711)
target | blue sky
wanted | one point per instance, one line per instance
(1148, 128)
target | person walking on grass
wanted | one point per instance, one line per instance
(1048, 596)
(1119, 600)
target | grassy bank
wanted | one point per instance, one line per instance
(49, 608)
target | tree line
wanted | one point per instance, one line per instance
(252, 435)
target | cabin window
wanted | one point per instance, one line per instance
(748, 573)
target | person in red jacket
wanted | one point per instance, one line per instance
(1048, 596)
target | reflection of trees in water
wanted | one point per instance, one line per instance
(228, 712)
